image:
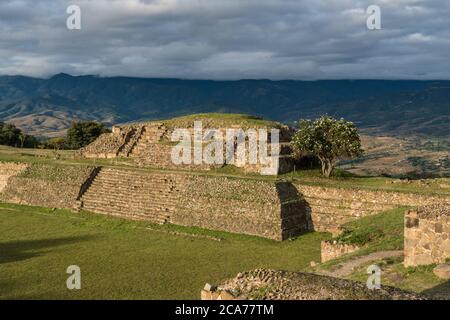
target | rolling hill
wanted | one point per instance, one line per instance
(46, 107)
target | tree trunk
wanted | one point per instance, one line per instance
(327, 167)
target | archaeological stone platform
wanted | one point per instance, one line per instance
(270, 208)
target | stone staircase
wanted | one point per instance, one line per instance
(150, 135)
(131, 142)
(134, 195)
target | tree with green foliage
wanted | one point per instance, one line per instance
(82, 133)
(12, 136)
(329, 140)
(58, 143)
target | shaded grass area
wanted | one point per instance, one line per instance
(122, 259)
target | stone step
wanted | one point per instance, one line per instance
(146, 179)
(127, 208)
(131, 186)
(111, 210)
(122, 210)
(133, 194)
(348, 204)
(147, 149)
(153, 218)
(124, 204)
(133, 191)
(130, 194)
(114, 172)
(133, 211)
(136, 182)
(143, 202)
(127, 172)
(153, 189)
(137, 187)
(340, 211)
(114, 177)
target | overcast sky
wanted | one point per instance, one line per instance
(227, 39)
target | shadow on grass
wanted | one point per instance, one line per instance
(441, 291)
(26, 249)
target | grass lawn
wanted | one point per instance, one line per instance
(122, 259)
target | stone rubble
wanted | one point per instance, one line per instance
(266, 284)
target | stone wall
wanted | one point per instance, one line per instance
(149, 144)
(240, 205)
(111, 145)
(269, 208)
(330, 250)
(332, 207)
(427, 235)
(46, 185)
(247, 206)
(8, 170)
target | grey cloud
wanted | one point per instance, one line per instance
(227, 39)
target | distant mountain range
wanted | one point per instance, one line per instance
(46, 107)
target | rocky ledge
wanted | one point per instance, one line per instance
(434, 210)
(263, 284)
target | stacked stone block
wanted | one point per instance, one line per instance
(427, 235)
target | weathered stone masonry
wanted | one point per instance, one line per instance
(332, 207)
(241, 206)
(427, 235)
(219, 203)
(149, 145)
(44, 185)
(269, 208)
(330, 250)
(9, 170)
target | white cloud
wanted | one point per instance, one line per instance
(226, 39)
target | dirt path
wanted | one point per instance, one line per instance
(346, 268)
